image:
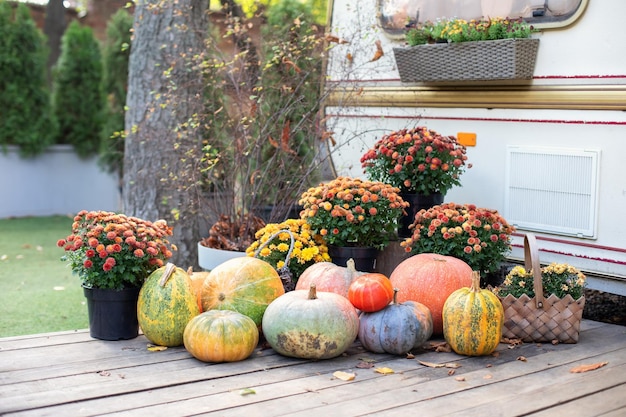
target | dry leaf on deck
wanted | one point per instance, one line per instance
(511, 341)
(522, 358)
(155, 348)
(365, 365)
(460, 378)
(384, 371)
(586, 368)
(247, 391)
(344, 376)
(440, 365)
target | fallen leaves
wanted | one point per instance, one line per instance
(247, 391)
(512, 343)
(438, 347)
(384, 371)
(344, 376)
(155, 348)
(440, 365)
(586, 368)
(364, 365)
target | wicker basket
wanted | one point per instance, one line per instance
(505, 59)
(540, 319)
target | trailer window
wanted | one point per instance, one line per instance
(396, 15)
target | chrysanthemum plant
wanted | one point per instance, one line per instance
(417, 160)
(557, 279)
(113, 251)
(461, 30)
(353, 212)
(481, 237)
(307, 248)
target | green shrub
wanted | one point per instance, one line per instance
(25, 116)
(78, 99)
(115, 56)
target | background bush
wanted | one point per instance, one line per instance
(78, 98)
(26, 117)
(115, 55)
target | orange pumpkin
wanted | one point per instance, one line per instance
(429, 278)
(329, 277)
(370, 292)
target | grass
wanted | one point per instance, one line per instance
(39, 292)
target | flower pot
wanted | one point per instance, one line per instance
(364, 257)
(112, 313)
(209, 258)
(503, 59)
(416, 202)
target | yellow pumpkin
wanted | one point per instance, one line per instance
(472, 320)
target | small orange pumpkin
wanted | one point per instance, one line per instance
(370, 292)
(221, 336)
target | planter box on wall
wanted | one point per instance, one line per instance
(505, 59)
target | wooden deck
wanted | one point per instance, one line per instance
(71, 374)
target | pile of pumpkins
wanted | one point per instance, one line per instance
(219, 315)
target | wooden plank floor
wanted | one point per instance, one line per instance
(71, 374)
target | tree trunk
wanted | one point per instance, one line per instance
(163, 95)
(54, 26)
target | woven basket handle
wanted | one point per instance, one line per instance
(288, 257)
(531, 262)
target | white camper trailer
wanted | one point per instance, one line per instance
(549, 151)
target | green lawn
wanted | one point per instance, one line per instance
(38, 291)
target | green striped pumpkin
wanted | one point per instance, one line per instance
(472, 320)
(166, 303)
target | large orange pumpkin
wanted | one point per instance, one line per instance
(329, 277)
(246, 285)
(429, 278)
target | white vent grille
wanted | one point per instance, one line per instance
(552, 190)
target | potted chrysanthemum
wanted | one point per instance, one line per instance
(353, 215)
(113, 254)
(479, 236)
(289, 246)
(423, 164)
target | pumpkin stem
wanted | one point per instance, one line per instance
(475, 281)
(312, 292)
(395, 295)
(169, 269)
(351, 266)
